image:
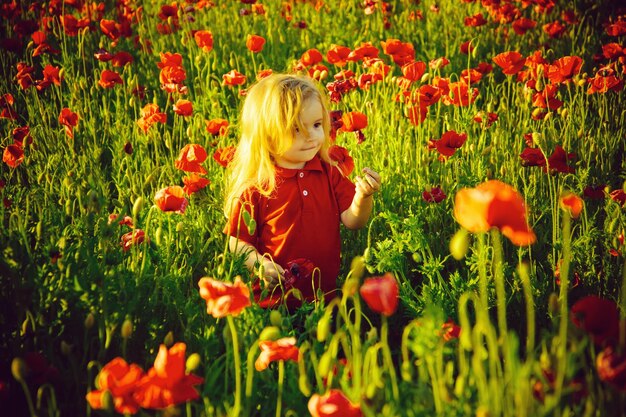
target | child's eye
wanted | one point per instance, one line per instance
(317, 125)
(297, 130)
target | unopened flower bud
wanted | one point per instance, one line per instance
(276, 318)
(357, 267)
(324, 365)
(106, 400)
(553, 305)
(90, 320)
(323, 328)
(127, 329)
(269, 333)
(193, 362)
(137, 207)
(168, 340)
(19, 369)
(66, 348)
(459, 244)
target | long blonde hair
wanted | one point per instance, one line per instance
(269, 117)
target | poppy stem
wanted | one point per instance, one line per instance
(564, 319)
(237, 361)
(498, 276)
(281, 378)
(384, 330)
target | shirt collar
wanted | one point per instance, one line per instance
(314, 164)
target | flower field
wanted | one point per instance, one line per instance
(489, 281)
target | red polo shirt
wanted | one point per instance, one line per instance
(300, 219)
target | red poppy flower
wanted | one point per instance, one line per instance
(364, 50)
(484, 68)
(438, 63)
(169, 59)
(381, 294)
(121, 58)
(563, 69)
(318, 72)
(434, 195)
(611, 367)
(450, 330)
(24, 75)
(475, 21)
(217, 127)
(594, 192)
(461, 94)
(494, 204)
(333, 404)
(194, 183)
(171, 198)
(167, 383)
(466, 47)
(190, 158)
(533, 157)
(71, 25)
(417, 114)
(172, 78)
(338, 55)
(449, 143)
(366, 80)
(557, 162)
(234, 77)
(597, 316)
(109, 78)
(619, 196)
(224, 299)
(428, 95)
(311, 57)
(617, 28)
(523, 25)
(353, 121)
(6, 104)
(604, 81)
(51, 75)
(21, 136)
(511, 62)
(69, 119)
(284, 349)
(13, 155)
(109, 29)
(401, 52)
(414, 70)
(120, 379)
(554, 29)
(572, 203)
(471, 76)
(342, 158)
(150, 115)
(129, 239)
(224, 156)
(183, 107)
(255, 43)
(489, 120)
(612, 50)
(204, 40)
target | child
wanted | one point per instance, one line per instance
(281, 175)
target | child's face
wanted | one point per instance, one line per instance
(306, 144)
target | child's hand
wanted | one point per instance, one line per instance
(369, 183)
(272, 273)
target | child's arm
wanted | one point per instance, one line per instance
(272, 272)
(357, 215)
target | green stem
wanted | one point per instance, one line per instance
(384, 330)
(564, 313)
(281, 377)
(498, 275)
(530, 308)
(237, 360)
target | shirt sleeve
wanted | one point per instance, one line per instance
(344, 189)
(236, 222)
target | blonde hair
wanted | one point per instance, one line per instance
(269, 117)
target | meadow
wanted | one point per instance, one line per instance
(489, 281)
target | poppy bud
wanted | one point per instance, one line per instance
(304, 385)
(158, 236)
(226, 335)
(459, 244)
(370, 390)
(66, 348)
(323, 328)
(324, 365)
(357, 267)
(564, 112)
(323, 75)
(539, 84)
(189, 131)
(168, 340)
(137, 207)
(19, 369)
(425, 77)
(276, 318)
(269, 333)
(553, 305)
(536, 137)
(127, 329)
(406, 371)
(131, 101)
(89, 321)
(180, 226)
(39, 229)
(548, 116)
(350, 286)
(193, 362)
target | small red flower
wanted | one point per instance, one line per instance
(414, 70)
(611, 367)
(475, 21)
(597, 316)
(129, 239)
(450, 330)
(572, 203)
(21, 136)
(381, 294)
(255, 43)
(224, 156)
(434, 195)
(353, 121)
(284, 349)
(342, 158)
(190, 158)
(338, 55)
(204, 40)
(120, 379)
(563, 69)
(224, 299)
(183, 107)
(311, 57)
(449, 143)
(109, 78)
(13, 155)
(150, 114)
(417, 114)
(533, 157)
(194, 182)
(619, 196)
(554, 29)
(234, 77)
(511, 62)
(69, 119)
(333, 404)
(557, 162)
(171, 198)
(217, 127)
(523, 25)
